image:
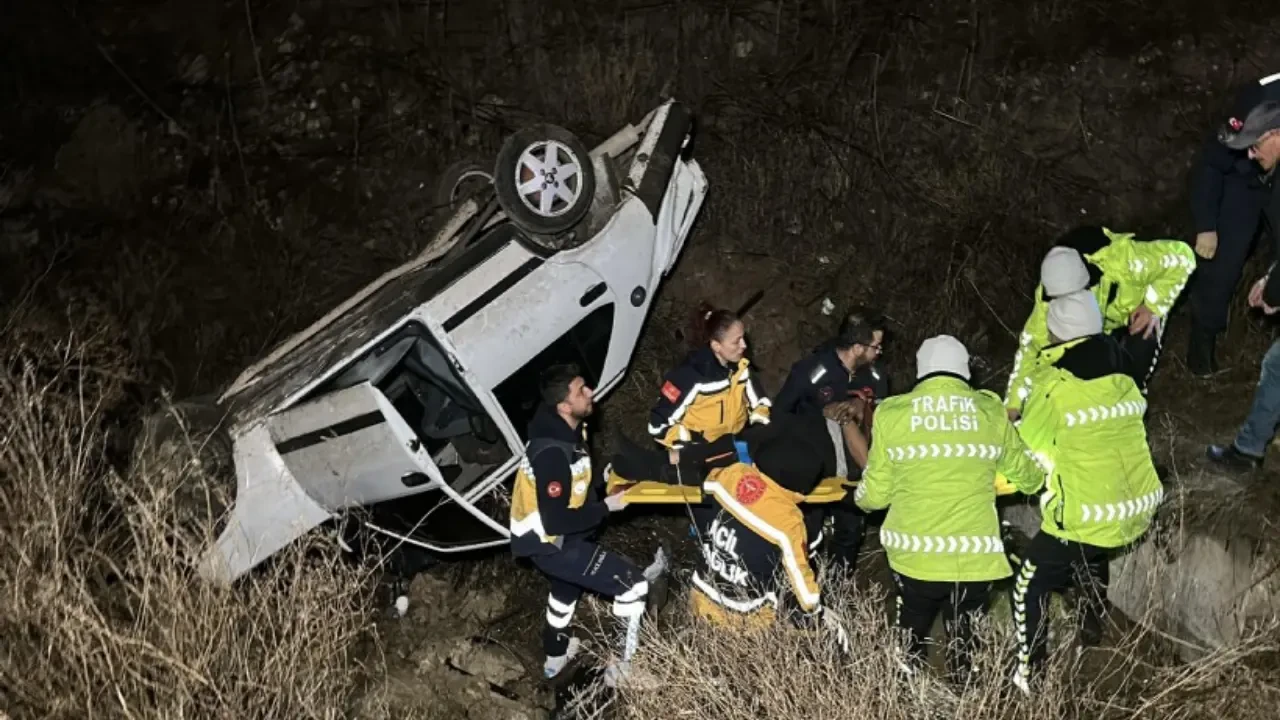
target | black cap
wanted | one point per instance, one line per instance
(1240, 134)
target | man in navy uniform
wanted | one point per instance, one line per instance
(1229, 191)
(838, 371)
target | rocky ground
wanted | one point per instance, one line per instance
(214, 176)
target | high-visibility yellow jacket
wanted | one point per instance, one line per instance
(1133, 273)
(933, 463)
(702, 400)
(1084, 422)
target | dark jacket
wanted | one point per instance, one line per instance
(556, 498)
(1218, 163)
(1271, 215)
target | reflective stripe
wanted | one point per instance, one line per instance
(969, 544)
(742, 606)
(790, 561)
(690, 396)
(558, 622)
(1111, 512)
(837, 439)
(755, 400)
(560, 607)
(945, 450)
(1162, 305)
(1269, 79)
(1097, 413)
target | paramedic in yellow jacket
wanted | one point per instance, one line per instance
(754, 536)
(1136, 283)
(556, 510)
(933, 463)
(706, 401)
(1083, 420)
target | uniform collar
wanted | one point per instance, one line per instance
(942, 380)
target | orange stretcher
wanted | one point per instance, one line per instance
(651, 492)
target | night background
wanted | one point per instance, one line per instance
(185, 184)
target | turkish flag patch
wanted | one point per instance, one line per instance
(750, 489)
(554, 489)
(825, 394)
(670, 391)
(1235, 124)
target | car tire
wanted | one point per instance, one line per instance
(186, 449)
(459, 181)
(523, 159)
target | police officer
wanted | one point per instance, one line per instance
(933, 465)
(1136, 283)
(756, 529)
(1259, 135)
(556, 509)
(1228, 193)
(1084, 421)
(834, 373)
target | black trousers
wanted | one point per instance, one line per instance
(1140, 354)
(918, 605)
(848, 525)
(579, 566)
(1050, 564)
(1215, 280)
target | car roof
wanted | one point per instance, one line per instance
(387, 301)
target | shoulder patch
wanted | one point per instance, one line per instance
(750, 489)
(554, 489)
(825, 393)
(816, 374)
(670, 391)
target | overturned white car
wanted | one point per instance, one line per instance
(410, 400)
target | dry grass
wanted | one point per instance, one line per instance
(779, 672)
(100, 616)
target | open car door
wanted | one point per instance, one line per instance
(418, 450)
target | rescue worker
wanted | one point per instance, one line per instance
(1084, 421)
(1259, 135)
(756, 529)
(1136, 283)
(556, 509)
(1229, 190)
(933, 465)
(707, 400)
(835, 372)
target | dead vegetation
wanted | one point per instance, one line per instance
(100, 615)
(699, 670)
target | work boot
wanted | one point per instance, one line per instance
(1229, 457)
(1200, 353)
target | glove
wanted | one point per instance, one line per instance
(615, 502)
(1207, 244)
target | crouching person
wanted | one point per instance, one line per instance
(933, 464)
(556, 509)
(1084, 421)
(755, 534)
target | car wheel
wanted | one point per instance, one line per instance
(544, 179)
(185, 450)
(458, 182)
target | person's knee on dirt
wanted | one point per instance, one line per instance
(830, 379)
(1136, 283)
(710, 398)
(1259, 135)
(756, 535)
(557, 508)
(933, 464)
(1085, 423)
(1229, 190)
